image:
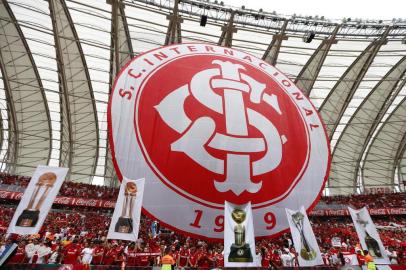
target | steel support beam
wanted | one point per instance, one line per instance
(399, 163)
(29, 134)
(121, 52)
(386, 150)
(226, 38)
(354, 139)
(310, 71)
(340, 96)
(272, 52)
(174, 33)
(79, 124)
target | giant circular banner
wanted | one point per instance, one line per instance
(205, 124)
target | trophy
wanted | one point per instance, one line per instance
(29, 217)
(371, 243)
(239, 251)
(125, 222)
(306, 252)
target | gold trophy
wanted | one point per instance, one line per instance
(239, 251)
(29, 217)
(372, 244)
(125, 222)
(306, 252)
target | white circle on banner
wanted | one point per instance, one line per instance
(205, 124)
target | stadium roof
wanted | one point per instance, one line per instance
(59, 58)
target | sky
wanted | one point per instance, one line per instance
(338, 9)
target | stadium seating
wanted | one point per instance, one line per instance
(71, 227)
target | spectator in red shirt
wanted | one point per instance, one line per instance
(110, 254)
(19, 254)
(98, 254)
(72, 253)
(144, 257)
(266, 257)
(193, 258)
(219, 258)
(132, 259)
(183, 256)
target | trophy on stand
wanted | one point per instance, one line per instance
(29, 217)
(125, 222)
(306, 252)
(239, 251)
(372, 244)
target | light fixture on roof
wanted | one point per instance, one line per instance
(308, 37)
(203, 20)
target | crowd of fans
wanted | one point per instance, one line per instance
(68, 189)
(390, 200)
(81, 190)
(78, 236)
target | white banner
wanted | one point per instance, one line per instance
(303, 238)
(234, 148)
(368, 235)
(37, 200)
(239, 239)
(125, 222)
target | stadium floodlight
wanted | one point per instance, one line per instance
(308, 37)
(203, 20)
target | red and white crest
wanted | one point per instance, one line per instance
(206, 124)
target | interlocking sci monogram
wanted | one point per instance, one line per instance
(205, 124)
(202, 131)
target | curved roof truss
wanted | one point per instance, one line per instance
(79, 125)
(386, 151)
(28, 116)
(354, 139)
(340, 96)
(121, 52)
(308, 75)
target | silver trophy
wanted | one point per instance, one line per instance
(306, 251)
